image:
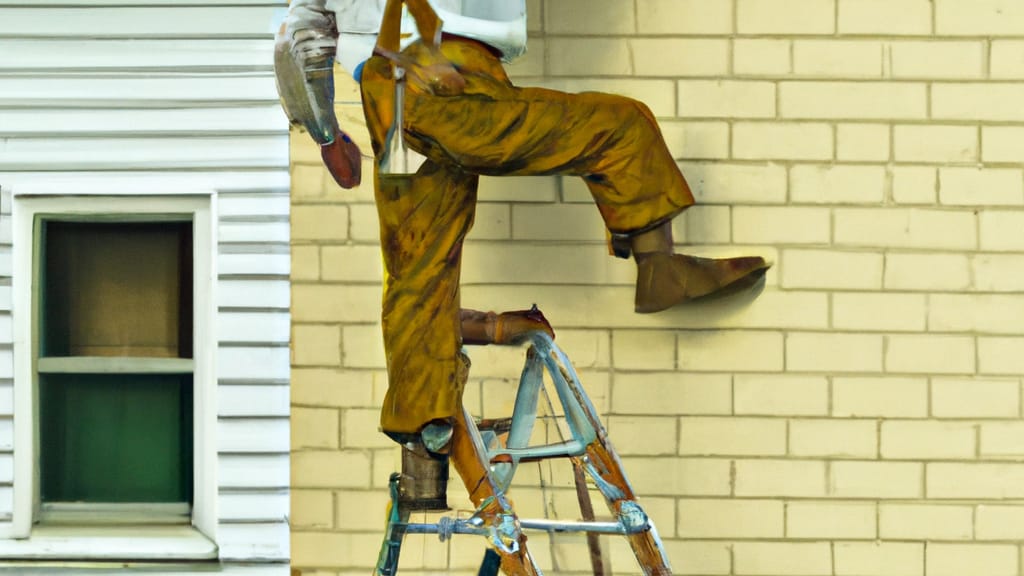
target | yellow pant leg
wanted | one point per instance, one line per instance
(422, 227)
(494, 128)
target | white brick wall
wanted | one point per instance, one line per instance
(862, 416)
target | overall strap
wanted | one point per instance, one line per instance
(427, 23)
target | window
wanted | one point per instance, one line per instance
(115, 366)
(115, 393)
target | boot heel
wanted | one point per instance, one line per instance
(621, 246)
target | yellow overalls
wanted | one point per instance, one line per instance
(493, 128)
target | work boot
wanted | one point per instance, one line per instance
(665, 279)
(423, 484)
(505, 328)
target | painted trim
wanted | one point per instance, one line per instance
(114, 365)
(115, 514)
(198, 205)
(154, 542)
(23, 568)
(204, 342)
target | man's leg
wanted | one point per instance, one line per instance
(611, 141)
(422, 225)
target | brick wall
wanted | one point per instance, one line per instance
(862, 416)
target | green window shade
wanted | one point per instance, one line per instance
(115, 438)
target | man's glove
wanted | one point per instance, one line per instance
(343, 160)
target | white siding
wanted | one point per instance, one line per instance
(252, 472)
(271, 294)
(254, 506)
(249, 435)
(248, 541)
(241, 400)
(50, 19)
(6, 501)
(6, 427)
(249, 327)
(6, 400)
(71, 53)
(169, 97)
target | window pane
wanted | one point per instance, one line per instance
(115, 438)
(116, 289)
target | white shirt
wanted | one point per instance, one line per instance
(497, 23)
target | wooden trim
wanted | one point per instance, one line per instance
(110, 542)
(115, 365)
(83, 514)
(93, 568)
(24, 316)
(34, 541)
(204, 347)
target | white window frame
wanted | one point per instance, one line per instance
(22, 538)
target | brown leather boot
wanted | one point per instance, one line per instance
(665, 279)
(505, 328)
(423, 484)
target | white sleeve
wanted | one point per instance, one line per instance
(312, 32)
(357, 16)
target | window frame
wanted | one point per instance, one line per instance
(27, 209)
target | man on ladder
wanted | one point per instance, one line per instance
(464, 115)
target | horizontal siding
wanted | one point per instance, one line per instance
(152, 182)
(53, 90)
(252, 362)
(262, 205)
(254, 232)
(250, 435)
(171, 97)
(6, 502)
(145, 153)
(253, 471)
(143, 569)
(64, 3)
(250, 327)
(6, 428)
(135, 21)
(6, 398)
(265, 264)
(97, 54)
(6, 470)
(29, 123)
(265, 294)
(252, 400)
(249, 506)
(267, 541)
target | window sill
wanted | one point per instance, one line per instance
(66, 542)
(53, 568)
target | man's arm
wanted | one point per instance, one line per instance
(304, 69)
